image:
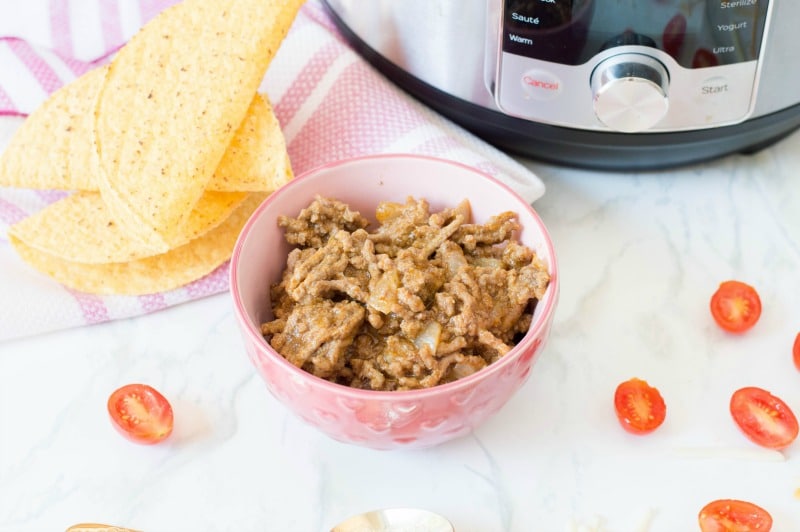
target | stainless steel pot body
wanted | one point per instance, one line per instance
(491, 58)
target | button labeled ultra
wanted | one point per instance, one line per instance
(541, 84)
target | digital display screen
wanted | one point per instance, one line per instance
(695, 33)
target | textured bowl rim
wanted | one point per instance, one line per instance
(254, 333)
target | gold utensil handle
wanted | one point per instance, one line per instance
(96, 527)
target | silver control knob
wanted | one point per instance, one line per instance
(630, 92)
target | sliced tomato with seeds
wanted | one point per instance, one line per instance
(703, 58)
(764, 418)
(735, 306)
(674, 34)
(731, 515)
(140, 413)
(639, 406)
(796, 351)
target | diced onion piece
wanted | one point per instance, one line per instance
(388, 210)
(430, 336)
(383, 296)
(454, 259)
(488, 262)
(465, 210)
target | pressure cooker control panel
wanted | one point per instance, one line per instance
(626, 65)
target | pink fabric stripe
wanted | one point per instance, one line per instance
(60, 29)
(51, 196)
(112, 25)
(213, 283)
(360, 115)
(80, 67)
(317, 13)
(306, 81)
(437, 145)
(489, 167)
(6, 105)
(38, 67)
(45, 75)
(152, 302)
(151, 8)
(11, 213)
(92, 307)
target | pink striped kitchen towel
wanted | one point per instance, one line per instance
(330, 102)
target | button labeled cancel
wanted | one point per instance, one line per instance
(541, 85)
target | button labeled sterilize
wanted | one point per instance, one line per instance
(541, 85)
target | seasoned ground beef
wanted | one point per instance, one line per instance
(426, 298)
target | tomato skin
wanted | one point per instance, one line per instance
(704, 58)
(140, 413)
(765, 419)
(674, 35)
(796, 352)
(735, 306)
(639, 406)
(731, 515)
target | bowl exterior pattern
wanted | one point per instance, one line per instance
(396, 422)
(384, 420)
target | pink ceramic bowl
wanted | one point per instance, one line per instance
(384, 420)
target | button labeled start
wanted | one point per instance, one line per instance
(716, 86)
(541, 85)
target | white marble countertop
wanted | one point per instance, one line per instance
(640, 255)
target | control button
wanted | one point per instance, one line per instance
(541, 85)
(630, 92)
(717, 95)
(715, 87)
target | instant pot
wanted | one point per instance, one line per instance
(605, 84)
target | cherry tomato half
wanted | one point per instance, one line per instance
(140, 413)
(731, 515)
(674, 35)
(704, 58)
(763, 418)
(639, 406)
(796, 351)
(735, 306)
